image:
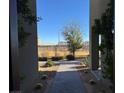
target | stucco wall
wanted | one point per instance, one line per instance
(14, 81)
(28, 56)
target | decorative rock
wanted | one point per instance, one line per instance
(44, 77)
(39, 86)
(92, 82)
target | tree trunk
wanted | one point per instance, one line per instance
(74, 54)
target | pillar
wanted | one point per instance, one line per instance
(97, 7)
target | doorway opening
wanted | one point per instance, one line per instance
(55, 16)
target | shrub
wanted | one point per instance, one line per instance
(56, 58)
(70, 57)
(49, 63)
(42, 58)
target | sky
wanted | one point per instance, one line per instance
(56, 14)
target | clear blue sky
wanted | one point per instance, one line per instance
(57, 13)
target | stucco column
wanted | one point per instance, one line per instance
(28, 55)
(94, 38)
(94, 51)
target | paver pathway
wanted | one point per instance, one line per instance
(67, 80)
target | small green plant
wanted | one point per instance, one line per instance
(81, 62)
(87, 61)
(49, 63)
